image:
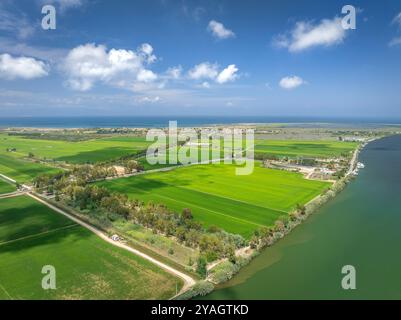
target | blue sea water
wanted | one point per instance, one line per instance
(187, 121)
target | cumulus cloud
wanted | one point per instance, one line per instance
(174, 72)
(306, 35)
(206, 70)
(21, 67)
(90, 63)
(146, 76)
(291, 82)
(219, 30)
(228, 74)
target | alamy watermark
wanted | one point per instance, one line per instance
(348, 282)
(49, 20)
(49, 280)
(187, 146)
(348, 22)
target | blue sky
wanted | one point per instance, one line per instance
(165, 57)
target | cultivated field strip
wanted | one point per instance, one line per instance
(74, 152)
(216, 196)
(6, 187)
(304, 148)
(23, 171)
(38, 234)
(87, 267)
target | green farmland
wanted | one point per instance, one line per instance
(216, 196)
(5, 187)
(89, 151)
(304, 148)
(22, 171)
(32, 236)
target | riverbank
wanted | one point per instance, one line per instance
(225, 271)
(359, 227)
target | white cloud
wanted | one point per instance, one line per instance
(147, 99)
(64, 5)
(21, 67)
(219, 31)
(205, 85)
(397, 19)
(147, 52)
(90, 63)
(204, 70)
(228, 74)
(396, 40)
(15, 23)
(174, 72)
(291, 82)
(146, 76)
(18, 48)
(306, 35)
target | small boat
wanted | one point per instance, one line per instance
(360, 165)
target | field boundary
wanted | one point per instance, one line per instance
(6, 292)
(38, 234)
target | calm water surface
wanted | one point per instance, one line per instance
(360, 227)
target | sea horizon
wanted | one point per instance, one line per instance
(68, 122)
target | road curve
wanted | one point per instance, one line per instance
(188, 281)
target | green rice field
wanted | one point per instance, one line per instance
(216, 196)
(32, 236)
(5, 187)
(23, 171)
(304, 148)
(89, 151)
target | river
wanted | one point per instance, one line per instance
(360, 227)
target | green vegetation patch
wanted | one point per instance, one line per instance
(5, 187)
(23, 171)
(217, 196)
(89, 151)
(304, 148)
(32, 236)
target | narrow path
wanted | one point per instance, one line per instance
(353, 162)
(188, 281)
(10, 195)
(38, 234)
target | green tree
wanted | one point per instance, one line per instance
(187, 214)
(201, 267)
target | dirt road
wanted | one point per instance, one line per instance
(188, 281)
